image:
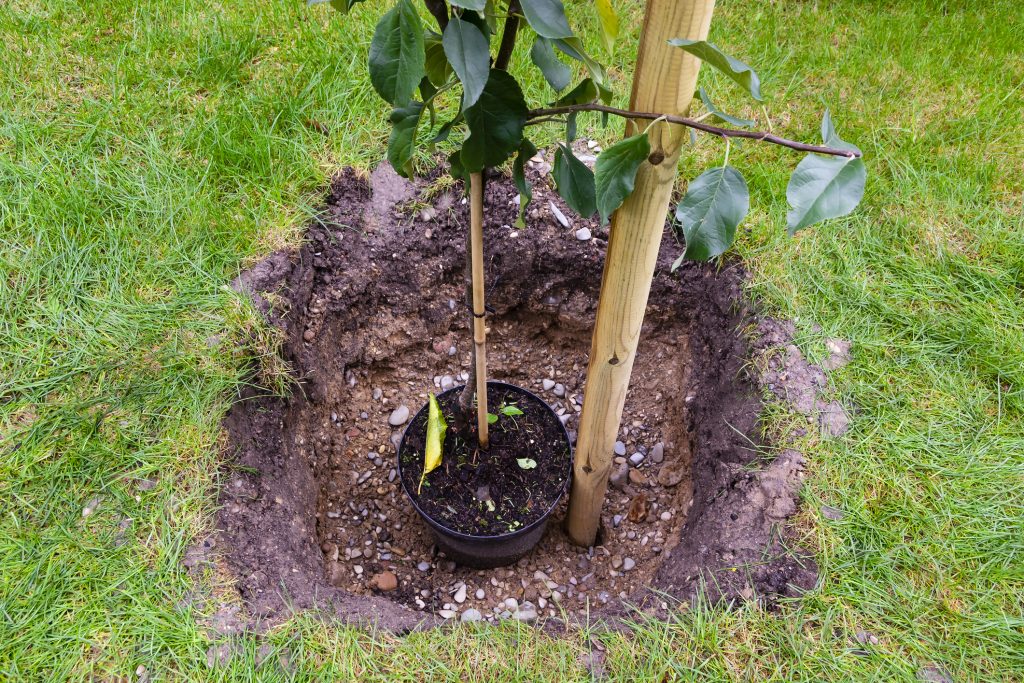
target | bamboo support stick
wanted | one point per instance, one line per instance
(476, 239)
(664, 81)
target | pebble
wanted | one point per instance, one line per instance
(620, 448)
(628, 564)
(423, 566)
(548, 384)
(658, 452)
(385, 581)
(392, 474)
(665, 516)
(583, 234)
(446, 613)
(511, 604)
(559, 216)
(619, 476)
(377, 394)
(636, 458)
(616, 520)
(480, 594)
(427, 214)
(309, 335)
(398, 416)
(471, 615)
(670, 475)
(447, 382)
(460, 594)
(559, 390)
(637, 478)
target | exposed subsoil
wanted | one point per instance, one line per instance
(372, 316)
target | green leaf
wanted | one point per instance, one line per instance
(615, 172)
(475, 5)
(456, 168)
(721, 115)
(496, 123)
(730, 66)
(547, 17)
(573, 47)
(583, 93)
(526, 150)
(397, 54)
(402, 142)
(436, 428)
(469, 54)
(436, 64)
(555, 72)
(511, 411)
(575, 182)
(609, 20)
(526, 463)
(824, 187)
(491, 418)
(713, 207)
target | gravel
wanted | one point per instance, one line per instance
(628, 564)
(559, 390)
(658, 452)
(399, 416)
(583, 234)
(471, 615)
(620, 448)
(460, 594)
(636, 458)
(423, 566)
(548, 384)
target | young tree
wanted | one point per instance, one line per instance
(469, 47)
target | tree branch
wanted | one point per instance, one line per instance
(440, 11)
(508, 36)
(760, 136)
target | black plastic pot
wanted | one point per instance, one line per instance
(484, 552)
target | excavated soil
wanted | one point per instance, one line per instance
(372, 318)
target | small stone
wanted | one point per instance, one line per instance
(616, 521)
(385, 581)
(548, 384)
(446, 613)
(452, 350)
(665, 516)
(309, 335)
(620, 448)
(583, 234)
(511, 604)
(616, 562)
(619, 476)
(559, 216)
(559, 390)
(471, 615)
(564, 419)
(428, 214)
(658, 452)
(628, 564)
(460, 594)
(447, 382)
(423, 566)
(636, 459)
(377, 394)
(399, 416)
(392, 474)
(358, 569)
(637, 508)
(671, 474)
(637, 478)
(480, 594)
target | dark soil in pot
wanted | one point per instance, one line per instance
(488, 493)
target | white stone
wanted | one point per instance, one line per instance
(398, 416)
(583, 234)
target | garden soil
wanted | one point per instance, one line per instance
(371, 316)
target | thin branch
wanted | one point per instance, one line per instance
(439, 9)
(760, 136)
(508, 36)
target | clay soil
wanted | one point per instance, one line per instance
(372, 316)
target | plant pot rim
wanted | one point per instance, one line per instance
(507, 535)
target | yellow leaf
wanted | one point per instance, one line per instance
(609, 23)
(436, 427)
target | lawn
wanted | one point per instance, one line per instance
(151, 149)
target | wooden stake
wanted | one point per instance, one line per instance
(476, 240)
(664, 81)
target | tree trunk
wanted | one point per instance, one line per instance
(664, 81)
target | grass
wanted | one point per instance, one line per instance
(149, 150)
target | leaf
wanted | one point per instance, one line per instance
(583, 93)
(547, 17)
(555, 72)
(526, 151)
(730, 66)
(721, 115)
(575, 182)
(511, 411)
(573, 47)
(715, 203)
(526, 463)
(397, 54)
(609, 21)
(615, 172)
(436, 428)
(402, 142)
(824, 187)
(469, 54)
(491, 418)
(436, 64)
(496, 123)
(475, 5)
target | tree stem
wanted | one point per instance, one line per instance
(508, 36)
(439, 10)
(760, 136)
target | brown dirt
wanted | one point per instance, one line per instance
(313, 513)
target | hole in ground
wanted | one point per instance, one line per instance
(372, 315)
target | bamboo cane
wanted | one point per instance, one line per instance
(664, 81)
(476, 239)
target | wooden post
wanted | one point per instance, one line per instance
(664, 81)
(476, 242)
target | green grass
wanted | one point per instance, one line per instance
(149, 150)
